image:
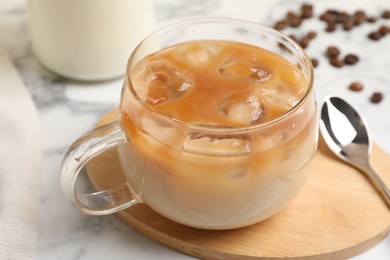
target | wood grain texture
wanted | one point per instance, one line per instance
(336, 215)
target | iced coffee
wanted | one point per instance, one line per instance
(221, 132)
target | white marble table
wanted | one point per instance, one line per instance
(68, 109)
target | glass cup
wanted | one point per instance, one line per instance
(237, 177)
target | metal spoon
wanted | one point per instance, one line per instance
(346, 134)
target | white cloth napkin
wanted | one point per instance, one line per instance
(20, 166)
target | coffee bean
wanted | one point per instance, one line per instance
(332, 51)
(315, 62)
(280, 25)
(351, 59)
(304, 42)
(386, 14)
(356, 86)
(383, 30)
(293, 19)
(291, 15)
(348, 25)
(307, 14)
(371, 19)
(335, 62)
(295, 22)
(306, 7)
(333, 12)
(360, 15)
(358, 21)
(327, 17)
(375, 36)
(376, 97)
(343, 17)
(330, 27)
(306, 11)
(311, 35)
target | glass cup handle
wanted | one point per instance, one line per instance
(79, 153)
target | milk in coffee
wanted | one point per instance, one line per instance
(219, 132)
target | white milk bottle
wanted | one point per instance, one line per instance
(88, 39)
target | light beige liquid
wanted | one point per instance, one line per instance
(217, 180)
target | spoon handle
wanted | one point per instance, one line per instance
(377, 182)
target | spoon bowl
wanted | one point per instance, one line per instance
(346, 134)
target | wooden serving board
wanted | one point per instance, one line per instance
(337, 215)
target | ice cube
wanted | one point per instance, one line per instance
(292, 79)
(198, 54)
(162, 79)
(233, 68)
(158, 92)
(238, 67)
(159, 132)
(242, 109)
(266, 142)
(277, 99)
(217, 145)
(260, 75)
